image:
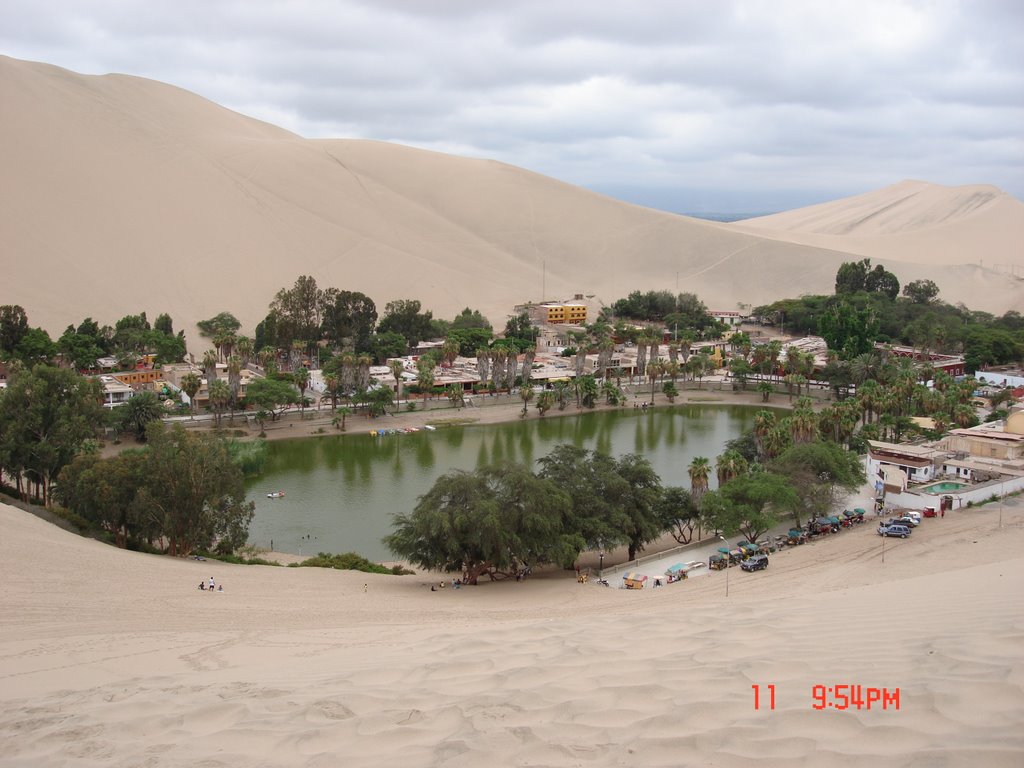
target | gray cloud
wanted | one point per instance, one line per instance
(779, 102)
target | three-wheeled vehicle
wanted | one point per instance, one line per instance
(796, 536)
(718, 563)
(674, 573)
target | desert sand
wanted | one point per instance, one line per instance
(193, 209)
(115, 658)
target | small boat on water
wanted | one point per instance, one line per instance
(275, 495)
(429, 427)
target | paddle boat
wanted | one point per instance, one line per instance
(275, 495)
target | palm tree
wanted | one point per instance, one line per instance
(190, 384)
(397, 367)
(362, 372)
(729, 465)
(526, 393)
(339, 417)
(456, 395)
(483, 359)
(220, 396)
(301, 379)
(764, 422)
(655, 369)
(210, 366)
(331, 381)
(243, 348)
(766, 389)
(449, 351)
(234, 382)
(545, 400)
(562, 390)
(803, 421)
(700, 471)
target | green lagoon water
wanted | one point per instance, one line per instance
(341, 491)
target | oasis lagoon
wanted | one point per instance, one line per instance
(341, 491)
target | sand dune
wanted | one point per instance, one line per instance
(115, 658)
(121, 194)
(913, 221)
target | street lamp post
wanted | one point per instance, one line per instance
(600, 566)
(727, 566)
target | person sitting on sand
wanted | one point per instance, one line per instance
(220, 587)
(441, 585)
(202, 585)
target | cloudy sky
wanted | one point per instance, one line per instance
(717, 105)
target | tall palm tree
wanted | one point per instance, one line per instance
(362, 371)
(545, 400)
(528, 357)
(483, 360)
(243, 348)
(331, 382)
(700, 471)
(397, 367)
(655, 369)
(526, 394)
(190, 384)
(803, 421)
(301, 379)
(220, 396)
(210, 366)
(562, 390)
(234, 382)
(340, 415)
(730, 464)
(764, 422)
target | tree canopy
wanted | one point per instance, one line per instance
(495, 520)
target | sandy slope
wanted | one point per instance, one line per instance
(114, 658)
(912, 221)
(121, 194)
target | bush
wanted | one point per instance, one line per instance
(351, 561)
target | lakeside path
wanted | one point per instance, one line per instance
(504, 408)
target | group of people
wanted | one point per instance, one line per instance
(212, 586)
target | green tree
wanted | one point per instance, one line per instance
(194, 495)
(136, 414)
(301, 378)
(851, 276)
(190, 385)
(349, 318)
(849, 331)
(495, 521)
(821, 474)
(103, 492)
(271, 395)
(13, 326)
(750, 504)
(388, 344)
(678, 514)
(46, 416)
(35, 347)
(220, 398)
(880, 280)
(699, 471)
(223, 322)
(921, 291)
(405, 318)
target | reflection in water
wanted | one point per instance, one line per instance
(342, 490)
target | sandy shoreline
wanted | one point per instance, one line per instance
(302, 667)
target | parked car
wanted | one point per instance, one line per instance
(905, 520)
(894, 529)
(755, 563)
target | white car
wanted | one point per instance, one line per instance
(913, 514)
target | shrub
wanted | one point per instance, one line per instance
(351, 561)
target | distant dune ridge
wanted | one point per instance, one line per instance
(121, 194)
